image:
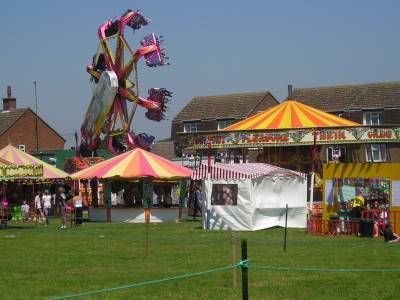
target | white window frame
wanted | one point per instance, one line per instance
(22, 147)
(221, 124)
(370, 116)
(190, 127)
(379, 150)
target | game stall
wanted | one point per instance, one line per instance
(372, 189)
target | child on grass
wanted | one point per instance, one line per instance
(25, 211)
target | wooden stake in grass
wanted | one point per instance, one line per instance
(147, 220)
(233, 249)
(245, 277)
(284, 241)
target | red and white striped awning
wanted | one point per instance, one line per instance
(241, 171)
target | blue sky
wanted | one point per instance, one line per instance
(215, 47)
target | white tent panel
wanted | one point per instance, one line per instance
(260, 203)
(227, 216)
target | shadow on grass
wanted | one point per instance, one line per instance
(4, 227)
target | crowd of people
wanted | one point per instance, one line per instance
(60, 203)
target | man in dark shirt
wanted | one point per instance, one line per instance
(390, 236)
(198, 199)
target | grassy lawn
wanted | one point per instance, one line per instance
(40, 262)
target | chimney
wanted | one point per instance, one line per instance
(9, 103)
(290, 92)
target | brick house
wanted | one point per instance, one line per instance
(368, 104)
(206, 113)
(164, 149)
(18, 127)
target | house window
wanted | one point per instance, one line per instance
(190, 127)
(373, 118)
(224, 123)
(376, 153)
(335, 154)
(21, 147)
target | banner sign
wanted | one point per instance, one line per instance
(293, 137)
(74, 164)
(20, 172)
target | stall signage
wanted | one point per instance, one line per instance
(25, 171)
(74, 164)
(298, 137)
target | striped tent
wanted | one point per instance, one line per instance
(290, 114)
(4, 162)
(20, 158)
(241, 171)
(136, 163)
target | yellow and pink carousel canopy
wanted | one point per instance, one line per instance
(135, 164)
(290, 114)
(20, 158)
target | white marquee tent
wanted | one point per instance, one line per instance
(249, 197)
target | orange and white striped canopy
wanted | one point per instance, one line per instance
(290, 114)
(134, 164)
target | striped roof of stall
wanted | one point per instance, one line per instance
(241, 171)
(20, 158)
(137, 163)
(290, 114)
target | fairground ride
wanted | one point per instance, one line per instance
(116, 94)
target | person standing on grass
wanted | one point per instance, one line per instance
(78, 205)
(60, 202)
(46, 205)
(38, 207)
(25, 211)
(198, 200)
(4, 204)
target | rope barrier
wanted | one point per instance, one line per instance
(241, 264)
(326, 270)
(135, 285)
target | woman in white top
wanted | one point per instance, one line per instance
(38, 207)
(46, 198)
(78, 204)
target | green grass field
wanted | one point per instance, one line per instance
(39, 262)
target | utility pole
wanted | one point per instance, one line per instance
(36, 119)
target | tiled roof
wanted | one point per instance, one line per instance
(223, 106)
(164, 149)
(344, 97)
(9, 117)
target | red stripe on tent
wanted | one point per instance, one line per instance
(237, 171)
